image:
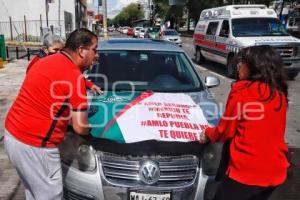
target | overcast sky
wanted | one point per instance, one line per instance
(115, 6)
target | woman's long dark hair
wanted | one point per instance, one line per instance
(266, 66)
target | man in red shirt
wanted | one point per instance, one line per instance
(52, 94)
(51, 45)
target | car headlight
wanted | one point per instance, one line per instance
(85, 159)
(78, 154)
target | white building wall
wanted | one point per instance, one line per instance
(32, 9)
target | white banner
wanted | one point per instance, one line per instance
(164, 117)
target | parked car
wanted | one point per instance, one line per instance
(136, 31)
(111, 29)
(171, 35)
(145, 127)
(130, 32)
(153, 33)
(142, 33)
(125, 29)
(120, 29)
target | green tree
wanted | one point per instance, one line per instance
(166, 12)
(109, 22)
(128, 14)
(195, 7)
(161, 8)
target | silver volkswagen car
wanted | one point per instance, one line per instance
(144, 141)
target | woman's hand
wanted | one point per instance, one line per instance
(203, 137)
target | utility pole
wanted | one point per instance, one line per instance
(149, 9)
(59, 25)
(47, 8)
(105, 19)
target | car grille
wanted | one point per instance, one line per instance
(73, 195)
(294, 21)
(174, 40)
(175, 171)
(286, 52)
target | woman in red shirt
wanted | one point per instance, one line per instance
(254, 123)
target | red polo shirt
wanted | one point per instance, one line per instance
(256, 128)
(89, 84)
(34, 60)
(41, 111)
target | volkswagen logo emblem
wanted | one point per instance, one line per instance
(149, 172)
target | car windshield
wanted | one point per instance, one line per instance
(257, 27)
(171, 33)
(145, 70)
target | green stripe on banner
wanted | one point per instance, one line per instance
(108, 106)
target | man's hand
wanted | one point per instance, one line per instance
(96, 90)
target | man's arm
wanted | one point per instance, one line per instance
(90, 85)
(80, 122)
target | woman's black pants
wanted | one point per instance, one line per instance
(230, 189)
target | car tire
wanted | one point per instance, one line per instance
(231, 68)
(292, 75)
(199, 57)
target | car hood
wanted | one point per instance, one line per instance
(171, 37)
(134, 117)
(268, 40)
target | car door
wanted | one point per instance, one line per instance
(222, 40)
(209, 44)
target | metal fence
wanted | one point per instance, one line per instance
(30, 30)
(20, 52)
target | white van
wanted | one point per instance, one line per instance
(221, 32)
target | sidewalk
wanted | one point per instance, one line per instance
(11, 78)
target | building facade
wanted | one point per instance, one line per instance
(35, 17)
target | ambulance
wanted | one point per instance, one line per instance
(222, 32)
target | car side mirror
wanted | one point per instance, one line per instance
(211, 81)
(179, 34)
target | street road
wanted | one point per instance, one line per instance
(10, 80)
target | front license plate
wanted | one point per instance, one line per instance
(149, 196)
